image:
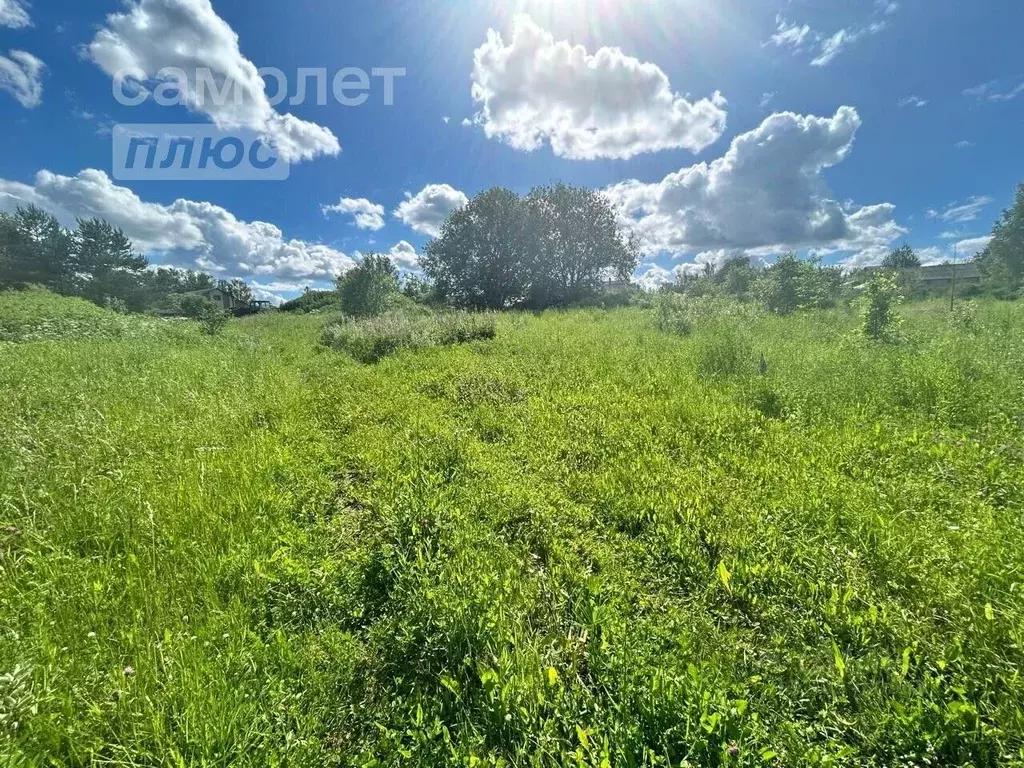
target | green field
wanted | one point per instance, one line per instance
(584, 542)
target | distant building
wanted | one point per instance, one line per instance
(618, 286)
(225, 298)
(939, 277)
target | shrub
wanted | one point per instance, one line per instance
(681, 314)
(369, 289)
(724, 350)
(879, 319)
(313, 301)
(964, 318)
(373, 339)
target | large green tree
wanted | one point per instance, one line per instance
(1002, 262)
(34, 248)
(483, 258)
(105, 265)
(577, 242)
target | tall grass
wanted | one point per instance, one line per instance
(580, 543)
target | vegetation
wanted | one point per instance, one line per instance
(1002, 262)
(370, 340)
(95, 261)
(583, 542)
(313, 301)
(370, 288)
(903, 257)
(552, 249)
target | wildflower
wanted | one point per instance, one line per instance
(733, 750)
(129, 671)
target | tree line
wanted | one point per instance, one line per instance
(95, 261)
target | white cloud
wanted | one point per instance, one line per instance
(964, 144)
(799, 37)
(960, 212)
(14, 14)
(404, 256)
(21, 75)
(427, 210)
(996, 90)
(912, 101)
(367, 215)
(966, 249)
(188, 35)
(789, 35)
(959, 252)
(766, 194)
(187, 233)
(602, 105)
(766, 99)
(834, 45)
(654, 277)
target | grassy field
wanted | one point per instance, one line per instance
(584, 542)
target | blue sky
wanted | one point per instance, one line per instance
(716, 127)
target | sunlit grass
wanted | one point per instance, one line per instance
(584, 540)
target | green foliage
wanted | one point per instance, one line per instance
(369, 289)
(34, 250)
(791, 284)
(551, 249)
(212, 319)
(566, 546)
(577, 241)
(681, 314)
(903, 257)
(370, 340)
(35, 314)
(879, 319)
(483, 258)
(1002, 262)
(313, 301)
(240, 290)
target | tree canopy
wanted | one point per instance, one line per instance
(1002, 262)
(552, 248)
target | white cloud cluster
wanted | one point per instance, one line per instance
(959, 213)
(21, 75)
(368, 215)
(602, 105)
(404, 256)
(800, 37)
(13, 14)
(427, 210)
(189, 35)
(995, 90)
(954, 252)
(193, 234)
(765, 195)
(912, 101)
(834, 45)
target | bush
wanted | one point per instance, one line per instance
(369, 289)
(373, 339)
(681, 314)
(313, 301)
(964, 318)
(879, 320)
(724, 350)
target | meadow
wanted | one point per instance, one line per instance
(586, 541)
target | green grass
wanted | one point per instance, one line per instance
(584, 542)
